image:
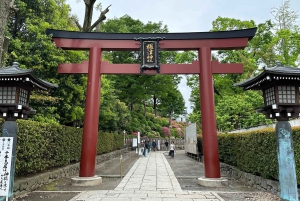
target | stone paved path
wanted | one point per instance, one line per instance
(150, 178)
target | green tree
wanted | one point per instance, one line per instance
(173, 104)
(33, 49)
(251, 57)
(6, 8)
(114, 114)
(234, 112)
(287, 38)
(137, 89)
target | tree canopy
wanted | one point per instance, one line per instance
(132, 102)
(139, 102)
(275, 40)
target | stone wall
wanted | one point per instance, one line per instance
(33, 182)
(248, 179)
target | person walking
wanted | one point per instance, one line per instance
(145, 148)
(166, 144)
(172, 149)
(149, 147)
(154, 145)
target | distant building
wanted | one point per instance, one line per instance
(182, 118)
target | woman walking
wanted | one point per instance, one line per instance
(172, 149)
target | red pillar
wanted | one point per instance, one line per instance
(209, 128)
(91, 116)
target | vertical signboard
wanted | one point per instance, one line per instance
(134, 142)
(139, 137)
(149, 48)
(190, 137)
(6, 145)
(150, 53)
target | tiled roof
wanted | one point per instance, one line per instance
(15, 71)
(277, 72)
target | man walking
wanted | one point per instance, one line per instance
(166, 144)
(154, 145)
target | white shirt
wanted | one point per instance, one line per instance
(172, 147)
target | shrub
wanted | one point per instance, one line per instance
(255, 152)
(43, 146)
(166, 131)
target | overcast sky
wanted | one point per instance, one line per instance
(186, 15)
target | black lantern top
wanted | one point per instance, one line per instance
(15, 73)
(280, 86)
(15, 87)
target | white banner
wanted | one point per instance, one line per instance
(134, 142)
(190, 139)
(6, 144)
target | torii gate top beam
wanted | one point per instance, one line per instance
(220, 40)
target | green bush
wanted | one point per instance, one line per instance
(255, 152)
(42, 146)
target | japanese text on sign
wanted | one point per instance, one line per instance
(6, 144)
(149, 48)
(150, 53)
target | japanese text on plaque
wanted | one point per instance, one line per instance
(6, 144)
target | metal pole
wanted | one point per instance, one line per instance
(124, 136)
(121, 166)
(209, 127)
(286, 162)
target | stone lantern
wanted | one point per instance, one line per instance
(280, 87)
(16, 85)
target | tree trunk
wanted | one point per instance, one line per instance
(144, 108)
(89, 7)
(4, 14)
(170, 117)
(4, 51)
(154, 105)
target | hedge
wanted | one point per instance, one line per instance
(43, 146)
(255, 152)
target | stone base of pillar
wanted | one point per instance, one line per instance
(213, 182)
(86, 181)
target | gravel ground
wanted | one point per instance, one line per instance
(260, 196)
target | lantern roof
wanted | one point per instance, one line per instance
(277, 73)
(15, 73)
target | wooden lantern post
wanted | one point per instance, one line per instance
(280, 86)
(16, 85)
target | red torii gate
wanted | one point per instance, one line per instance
(203, 42)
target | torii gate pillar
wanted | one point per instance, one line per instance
(209, 127)
(91, 115)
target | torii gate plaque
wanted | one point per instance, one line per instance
(203, 42)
